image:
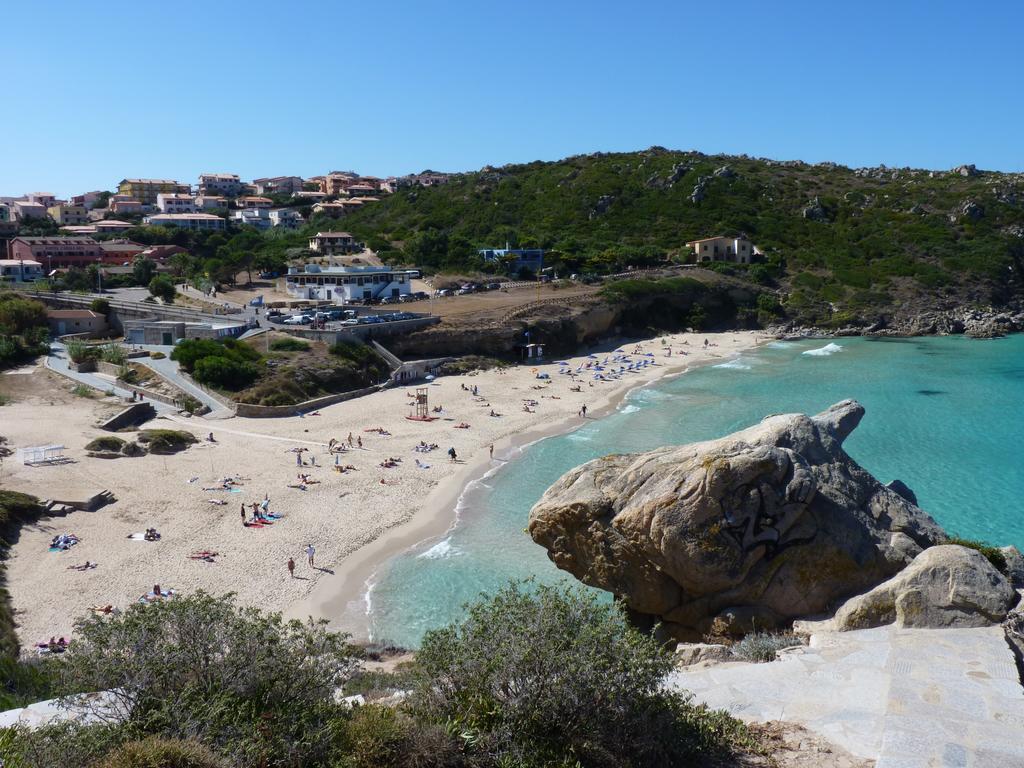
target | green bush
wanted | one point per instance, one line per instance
(82, 390)
(166, 441)
(225, 372)
(114, 354)
(251, 686)
(992, 554)
(79, 351)
(163, 288)
(553, 677)
(156, 752)
(106, 443)
(763, 646)
(289, 344)
(100, 306)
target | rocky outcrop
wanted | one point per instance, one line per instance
(754, 529)
(688, 654)
(815, 211)
(945, 586)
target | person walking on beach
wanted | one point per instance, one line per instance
(349, 439)
(291, 567)
(243, 514)
(492, 451)
(310, 551)
(583, 410)
(451, 453)
(298, 459)
(265, 504)
(359, 441)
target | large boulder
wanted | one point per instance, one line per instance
(754, 529)
(946, 586)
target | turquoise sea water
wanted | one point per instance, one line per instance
(944, 415)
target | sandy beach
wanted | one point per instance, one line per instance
(355, 520)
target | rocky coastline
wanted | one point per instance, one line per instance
(972, 322)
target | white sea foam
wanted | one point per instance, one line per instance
(579, 437)
(629, 409)
(739, 364)
(781, 345)
(828, 349)
(440, 551)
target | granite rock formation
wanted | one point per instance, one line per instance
(751, 530)
(946, 586)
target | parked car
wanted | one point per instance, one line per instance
(391, 300)
(421, 295)
(493, 286)
(299, 320)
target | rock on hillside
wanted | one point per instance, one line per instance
(754, 529)
(946, 586)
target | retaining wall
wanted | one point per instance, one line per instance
(251, 411)
(131, 416)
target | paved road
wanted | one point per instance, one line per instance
(907, 698)
(169, 370)
(57, 361)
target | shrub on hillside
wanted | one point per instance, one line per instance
(228, 364)
(156, 752)
(764, 646)
(289, 344)
(106, 443)
(253, 687)
(553, 677)
(165, 441)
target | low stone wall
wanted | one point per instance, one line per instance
(251, 411)
(131, 416)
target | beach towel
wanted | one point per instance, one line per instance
(235, 490)
(139, 536)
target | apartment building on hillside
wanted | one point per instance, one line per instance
(227, 184)
(146, 190)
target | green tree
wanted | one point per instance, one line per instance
(251, 685)
(553, 677)
(143, 270)
(162, 287)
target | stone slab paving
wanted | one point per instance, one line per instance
(907, 698)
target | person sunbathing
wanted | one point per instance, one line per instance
(151, 534)
(299, 486)
(102, 610)
(83, 567)
(462, 425)
(217, 502)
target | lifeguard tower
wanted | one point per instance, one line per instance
(422, 406)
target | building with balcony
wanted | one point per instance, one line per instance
(186, 220)
(347, 284)
(334, 243)
(227, 184)
(175, 202)
(146, 190)
(20, 271)
(515, 259)
(278, 185)
(250, 201)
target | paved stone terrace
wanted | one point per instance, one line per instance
(907, 698)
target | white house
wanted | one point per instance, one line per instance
(175, 202)
(345, 284)
(735, 249)
(288, 218)
(253, 217)
(20, 271)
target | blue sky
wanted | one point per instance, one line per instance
(95, 92)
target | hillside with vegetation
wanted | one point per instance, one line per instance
(837, 241)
